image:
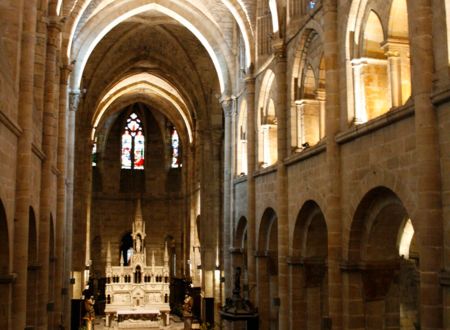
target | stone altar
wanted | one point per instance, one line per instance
(137, 295)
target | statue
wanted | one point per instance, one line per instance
(138, 244)
(187, 311)
(187, 305)
(90, 312)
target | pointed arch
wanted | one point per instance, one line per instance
(99, 25)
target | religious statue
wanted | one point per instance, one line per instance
(138, 244)
(187, 305)
(90, 312)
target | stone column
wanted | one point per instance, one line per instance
(333, 202)
(398, 70)
(24, 165)
(429, 209)
(297, 293)
(282, 193)
(322, 112)
(62, 275)
(74, 100)
(263, 290)
(251, 202)
(228, 111)
(48, 166)
(359, 92)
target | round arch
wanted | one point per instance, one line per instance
(380, 232)
(310, 232)
(241, 232)
(267, 237)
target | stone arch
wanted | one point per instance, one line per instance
(240, 248)
(152, 87)
(267, 122)
(5, 285)
(310, 281)
(267, 269)
(310, 232)
(241, 232)
(378, 177)
(206, 31)
(116, 108)
(32, 275)
(388, 291)
(397, 46)
(308, 91)
(377, 52)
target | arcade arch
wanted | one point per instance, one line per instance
(267, 270)
(309, 272)
(385, 277)
(377, 46)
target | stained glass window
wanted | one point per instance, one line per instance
(133, 144)
(175, 141)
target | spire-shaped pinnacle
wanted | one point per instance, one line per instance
(166, 254)
(108, 255)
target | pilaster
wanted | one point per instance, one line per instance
(229, 114)
(429, 209)
(279, 49)
(48, 178)
(24, 165)
(251, 163)
(333, 212)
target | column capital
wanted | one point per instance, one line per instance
(55, 24)
(320, 93)
(74, 100)
(227, 105)
(65, 71)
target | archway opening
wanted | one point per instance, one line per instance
(310, 277)
(267, 270)
(388, 277)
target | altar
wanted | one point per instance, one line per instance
(137, 295)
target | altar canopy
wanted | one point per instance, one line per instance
(138, 293)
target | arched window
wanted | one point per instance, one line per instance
(175, 144)
(133, 144)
